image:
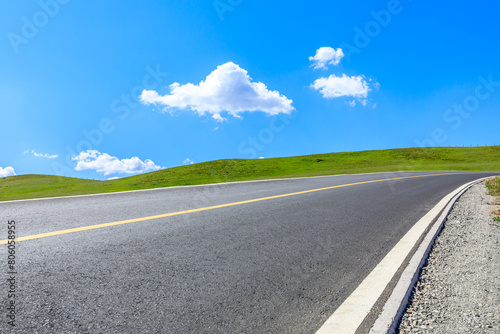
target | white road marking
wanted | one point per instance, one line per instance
(349, 316)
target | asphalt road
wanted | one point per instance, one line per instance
(281, 265)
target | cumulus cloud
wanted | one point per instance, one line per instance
(107, 164)
(188, 162)
(228, 88)
(333, 86)
(41, 155)
(7, 171)
(326, 56)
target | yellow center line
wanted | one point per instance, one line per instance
(178, 213)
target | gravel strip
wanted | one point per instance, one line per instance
(459, 287)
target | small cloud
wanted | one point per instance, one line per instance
(219, 118)
(41, 155)
(334, 86)
(216, 128)
(113, 178)
(188, 162)
(363, 102)
(326, 56)
(261, 157)
(107, 164)
(228, 88)
(7, 171)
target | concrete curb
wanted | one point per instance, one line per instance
(395, 306)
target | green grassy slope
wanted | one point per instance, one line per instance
(411, 159)
(493, 186)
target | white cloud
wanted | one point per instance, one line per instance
(188, 162)
(219, 118)
(41, 155)
(261, 158)
(326, 56)
(363, 102)
(228, 88)
(107, 164)
(7, 171)
(334, 86)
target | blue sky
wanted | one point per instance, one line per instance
(98, 89)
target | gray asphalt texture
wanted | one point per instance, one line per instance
(277, 266)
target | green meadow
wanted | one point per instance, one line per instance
(409, 159)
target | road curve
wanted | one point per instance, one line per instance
(253, 257)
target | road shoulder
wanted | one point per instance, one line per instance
(458, 288)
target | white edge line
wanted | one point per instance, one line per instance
(395, 306)
(223, 183)
(351, 313)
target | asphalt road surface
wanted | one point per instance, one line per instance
(277, 265)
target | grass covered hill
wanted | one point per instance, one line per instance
(408, 159)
